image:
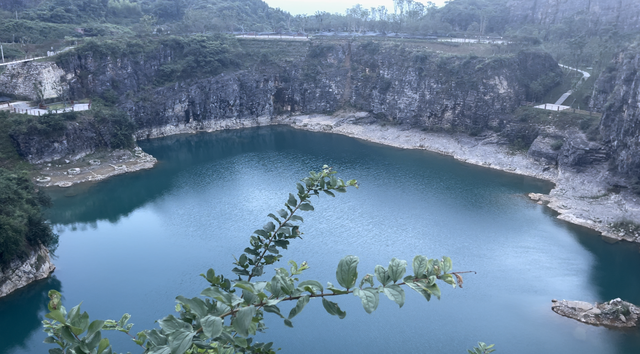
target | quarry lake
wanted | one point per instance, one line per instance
(134, 242)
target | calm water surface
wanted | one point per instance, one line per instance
(134, 242)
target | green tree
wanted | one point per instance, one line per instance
(22, 226)
(232, 309)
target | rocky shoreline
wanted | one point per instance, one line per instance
(93, 168)
(585, 198)
(20, 273)
(615, 313)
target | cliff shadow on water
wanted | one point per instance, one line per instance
(22, 312)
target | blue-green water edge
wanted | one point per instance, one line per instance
(134, 242)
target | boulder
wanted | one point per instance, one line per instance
(615, 313)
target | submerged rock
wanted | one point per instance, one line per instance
(615, 313)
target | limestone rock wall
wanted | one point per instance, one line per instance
(624, 15)
(34, 79)
(20, 273)
(617, 94)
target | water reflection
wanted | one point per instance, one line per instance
(410, 201)
(21, 313)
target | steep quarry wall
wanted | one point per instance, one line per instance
(623, 15)
(397, 84)
(617, 94)
(34, 80)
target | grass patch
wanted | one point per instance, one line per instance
(561, 120)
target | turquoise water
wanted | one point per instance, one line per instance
(134, 242)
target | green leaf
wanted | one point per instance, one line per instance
(296, 218)
(211, 326)
(329, 193)
(382, 275)
(66, 334)
(302, 302)
(397, 268)
(104, 343)
(171, 324)
(366, 279)
(449, 279)
(262, 233)
(283, 213)
(80, 324)
(273, 309)
(156, 338)
(288, 323)
(275, 218)
(447, 265)
(55, 350)
(419, 289)
(333, 308)
(300, 189)
(94, 327)
(312, 286)
(56, 315)
(241, 342)
(420, 264)
(292, 201)
(269, 227)
(244, 285)
(160, 350)
(347, 272)
(72, 316)
(395, 293)
(306, 207)
(180, 340)
(196, 305)
(93, 340)
(243, 319)
(369, 298)
(434, 290)
(123, 320)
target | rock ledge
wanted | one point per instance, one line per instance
(615, 313)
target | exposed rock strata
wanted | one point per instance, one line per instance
(405, 91)
(615, 313)
(617, 93)
(34, 80)
(624, 15)
(20, 273)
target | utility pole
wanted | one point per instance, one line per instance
(2, 52)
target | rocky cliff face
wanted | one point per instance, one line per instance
(397, 84)
(623, 15)
(20, 273)
(34, 80)
(617, 94)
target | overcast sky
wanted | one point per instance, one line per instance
(309, 7)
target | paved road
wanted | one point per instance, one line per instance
(558, 105)
(36, 58)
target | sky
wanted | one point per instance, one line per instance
(309, 7)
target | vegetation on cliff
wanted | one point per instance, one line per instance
(22, 226)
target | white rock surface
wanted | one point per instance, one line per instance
(20, 273)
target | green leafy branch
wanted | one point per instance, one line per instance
(231, 311)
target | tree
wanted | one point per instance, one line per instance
(22, 227)
(233, 309)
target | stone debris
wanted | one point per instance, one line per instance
(615, 313)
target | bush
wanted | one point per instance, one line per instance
(22, 226)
